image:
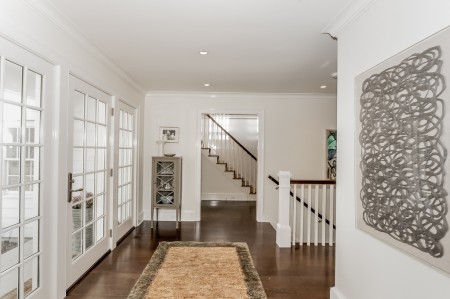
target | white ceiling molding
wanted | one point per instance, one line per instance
(347, 16)
(277, 96)
(49, 12)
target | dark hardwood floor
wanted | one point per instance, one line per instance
(304, 272)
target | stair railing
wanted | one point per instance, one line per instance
(306, 211)
(229, 151)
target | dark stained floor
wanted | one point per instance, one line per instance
(304, 272)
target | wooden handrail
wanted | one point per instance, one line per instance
(229, 135)
(300, 200)
(313, 182)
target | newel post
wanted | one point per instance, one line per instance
(283, 227)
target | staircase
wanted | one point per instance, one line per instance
(224, 150)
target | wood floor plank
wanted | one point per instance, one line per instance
(304, 272)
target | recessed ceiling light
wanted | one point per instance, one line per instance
(203, 52)
(323, 86)
(206, 84)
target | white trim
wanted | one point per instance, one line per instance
(336, 294)
(170, 215)
(243, 95)
(140, 218)
(260, 165)
(90, 83)
(227, 196)
(347, 16)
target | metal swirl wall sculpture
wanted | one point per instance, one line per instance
(402, 156)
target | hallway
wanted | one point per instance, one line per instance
(305, 272)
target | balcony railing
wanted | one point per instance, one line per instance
(306, 211)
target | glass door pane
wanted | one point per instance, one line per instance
(126, 166)
(89, 172)
(20, 183)
(125, 181)
(87, 212)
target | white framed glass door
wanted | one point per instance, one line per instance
(25, 166)
(88, 196)
(124, 182)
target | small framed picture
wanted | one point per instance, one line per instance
(169, 134)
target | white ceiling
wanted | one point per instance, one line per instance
(267, 46)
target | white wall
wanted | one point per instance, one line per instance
(366, 268)
(294, 137)
(36, 27)
(244, 129)
(218, 184)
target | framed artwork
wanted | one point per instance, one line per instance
(402, 138)
(169, 134)
(331, 141)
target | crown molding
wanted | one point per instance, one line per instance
(48, 11)
(352, 11)
(243, 95)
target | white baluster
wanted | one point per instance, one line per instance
(294, 215)
(206, 126)
(324, 212)
(302, 198)
(308, 239)
(330, 236)
(214, 137)
(220, 143)
(316, 222)
(225, 153)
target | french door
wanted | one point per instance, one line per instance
(26, 200)
(88, 196)
(124, 182)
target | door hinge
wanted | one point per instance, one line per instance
(112, 111)
(110, 233)
(111, 172)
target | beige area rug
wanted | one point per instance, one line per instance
(199, 270)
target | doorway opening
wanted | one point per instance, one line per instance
(230, 168)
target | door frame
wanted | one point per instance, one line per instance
(260, 172)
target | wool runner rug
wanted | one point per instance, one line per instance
(199, 270)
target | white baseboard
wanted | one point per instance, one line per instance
(170, 215)
(227, 196)
(336, 294)
(140, 217)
